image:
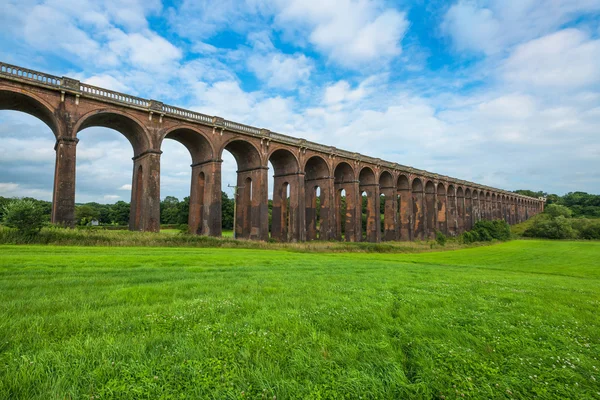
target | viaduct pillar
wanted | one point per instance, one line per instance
(205, 199)
(145, 192)
(390, 216)
(252, 214)
(288, 214)
(373, 226)
(63, 194)
(442, 205)
(452, 216)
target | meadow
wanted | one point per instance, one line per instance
(512, 320)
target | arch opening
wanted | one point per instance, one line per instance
(194, 154)
(45, 175)
(287, 185)
(370, 218)
(317, 194)
(387, 206)
(250, 219)
(15, 101)
(347, 203)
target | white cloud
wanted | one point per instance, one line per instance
(492, 26)
(565, 59)
(472, 28)
(340, 92)
(281, 71)
(146, 49)
(125, 187)
(51, 30)
(350, 32)
(108, 82)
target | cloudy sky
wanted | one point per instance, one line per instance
(500, 92)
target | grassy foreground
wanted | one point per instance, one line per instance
(514, 320)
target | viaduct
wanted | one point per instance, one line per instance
(417, 202)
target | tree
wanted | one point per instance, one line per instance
(169, 209)
(226, 211)
(119, 213)
(24, 215)
(555, 210)
(531, 193)
(85, 214)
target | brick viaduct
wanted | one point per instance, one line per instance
(417, 203)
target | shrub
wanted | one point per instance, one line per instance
(551, 228)
(486, 231)
(440, 238)
(586, 228)
(24, 215)
(183, 228)
(555, 210)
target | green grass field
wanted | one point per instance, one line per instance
(513, 320)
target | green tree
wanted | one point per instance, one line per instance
(169, 209)
(119, 213)
(24, 215)
(556, 210)
(85, 214)
(226, 211)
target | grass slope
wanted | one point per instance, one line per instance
(514, 320)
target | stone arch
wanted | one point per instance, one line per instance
(318, 199)
(343, 173)
(316, 168)
(146, 215)
(284, 162)
(31, 104)
(204, 217)
(287, 183)
(366, 176)
(417, 185)
(251, 219)
(63, 193)
(370, 220)
(387, 204)
(386, 180)
(403, 182)
(200, 147)
(127, 125)
(348, 214)
(246, 154)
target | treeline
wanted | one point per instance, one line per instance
(557, 222)
(172, 211)
(581, 204)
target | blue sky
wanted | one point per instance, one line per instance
(500, 92)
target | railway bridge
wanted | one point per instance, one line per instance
(313, 183)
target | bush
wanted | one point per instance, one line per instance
(440, 238)
(551, 228)
(183, 228)
(586, 228)
(486, 231)
(555, 211)
(25, 216)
